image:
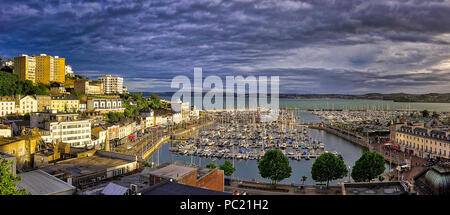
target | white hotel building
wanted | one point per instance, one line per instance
(76, 133)
(105, 105)
(112, 85)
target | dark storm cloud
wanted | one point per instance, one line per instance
(316, 46)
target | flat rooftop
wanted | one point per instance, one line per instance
(38, 182)
(8, 140)
(85, 165)
(172, 171)
(172, 188)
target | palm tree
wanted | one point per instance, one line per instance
(304, 179)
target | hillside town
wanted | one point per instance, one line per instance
(65, 134)
(76, 132)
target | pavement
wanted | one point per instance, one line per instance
(252, 189)
(416, 162)
(141, 144)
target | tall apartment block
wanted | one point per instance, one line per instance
(112, 85)
(25, 67)
(40, 69)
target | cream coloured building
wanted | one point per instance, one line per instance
(65, 103)
(5, 131)
(7, 105)
(88, 87)
(76, 133)
(105, 105)
(126, 129)
(27, 104)
(44, 102)
(423, 142)
(112, 85)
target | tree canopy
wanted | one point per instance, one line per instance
(227, 168)
(139, 103)
(425, 113)
(211, 165)
(435, 115)
(114, 117)
(11, 85)
(327, 168)
(8, 181)
(368, 166)
(275, 166)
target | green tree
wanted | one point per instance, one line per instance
(435, 115)
(227, 168)
(275, 166)
(113, 117)
(10, 85)
(211, 165)
(155, 101)
(368, 166)
(26, 116)
(328, 167)
(425, 113)
(8, 181)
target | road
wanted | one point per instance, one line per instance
(148, 140)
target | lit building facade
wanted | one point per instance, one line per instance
(423, 142)
(27, 104)
(65, 103)
(25, 67)
(50, 68)
(87, 87)
(69, 71)
(44, 102)
(40, 69)
(105, 105)
(76, 133)
(112, 85)
(22, 148)
(7, 105)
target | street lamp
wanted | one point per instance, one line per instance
(349, 173)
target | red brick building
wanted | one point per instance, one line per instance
(212, 179)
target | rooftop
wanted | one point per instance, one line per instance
(38, 182)
(172, 188)
(8, 140)
(6, 99)
(83, 166)
(171, 171)
(65, 97)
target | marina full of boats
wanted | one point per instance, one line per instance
(241, 135)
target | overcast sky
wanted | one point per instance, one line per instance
(315, 46)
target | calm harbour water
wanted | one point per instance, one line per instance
(353, 104)
(248, 169)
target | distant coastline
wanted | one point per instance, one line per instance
(396, 97)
